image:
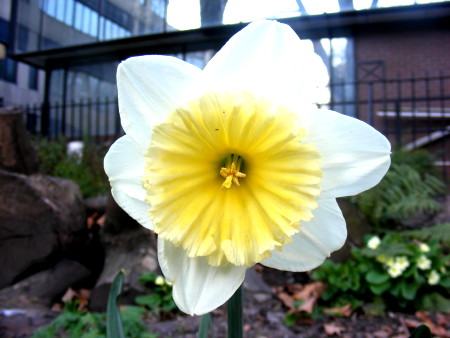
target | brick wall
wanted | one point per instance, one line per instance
(419, 58)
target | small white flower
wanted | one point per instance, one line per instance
(394, 271)
(390, 262)
(160, 280)
(423, 263)
(424, 247)
(402, 262)
(433, 277)
(374, 242)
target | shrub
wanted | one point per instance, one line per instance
(397, 271)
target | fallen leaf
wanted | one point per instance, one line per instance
(287, 300)
(344, 311)
(69, 295)
(332, 329)
(435, 330)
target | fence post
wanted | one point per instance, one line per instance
(398, 124)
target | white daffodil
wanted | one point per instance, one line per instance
(233, 165)
(373, 242)
(423, 263)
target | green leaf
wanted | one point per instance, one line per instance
(376, 277)
(445, 282)
(235, 320)
(378, 289)
(409, 290)
(114, 328)
(205, 327)
(435, 302)
(422, 331)
(152, 300)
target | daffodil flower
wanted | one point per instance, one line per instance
(233, 165)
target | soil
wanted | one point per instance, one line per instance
(264, 316)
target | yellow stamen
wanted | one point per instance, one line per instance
(231, 175)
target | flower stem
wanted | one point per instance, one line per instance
(234, 307)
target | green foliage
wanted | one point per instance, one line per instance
(408, 189)
(160, 300)
(73, 323)
(402, 272)
(438, 232)
(87, 172)
(114, 326)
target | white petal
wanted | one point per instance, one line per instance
(355, 156)
(269, 59)
(317, 239)
(124, 165)
(149, 88)
(198, 288)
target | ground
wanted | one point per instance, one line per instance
(264, 316)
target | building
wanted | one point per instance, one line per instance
(387, 66)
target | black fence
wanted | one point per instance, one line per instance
(98, 120)
(412, 112)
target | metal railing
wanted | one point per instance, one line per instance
(412, 112)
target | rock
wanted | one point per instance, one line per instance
(16, 151)
(118, 220)
(97, 203)
(23, 323)
(357, 228)
(45, 287)
(134, 251)
(40, 218)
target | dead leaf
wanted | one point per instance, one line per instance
(69, 295)
(435, 330)
(332, 329)
(310, 294)
(344, 311)
(101, 221)
(309, 290)
(287, 300)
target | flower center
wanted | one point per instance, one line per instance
(229, 177)
(231, 171)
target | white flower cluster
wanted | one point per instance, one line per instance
(423, 263)
(396, 266)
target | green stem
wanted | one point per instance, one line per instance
(235, 321)
(205, 326)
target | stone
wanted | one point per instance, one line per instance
(45, 287)
(357, 228)
(40, 219)
(134, 251)
(16, 152)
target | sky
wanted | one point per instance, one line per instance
(185, 14)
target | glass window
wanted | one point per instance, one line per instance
(33, 78)
(78, 16)
(8, 70)
(60, 9)
(68, 17)
(94, 24)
